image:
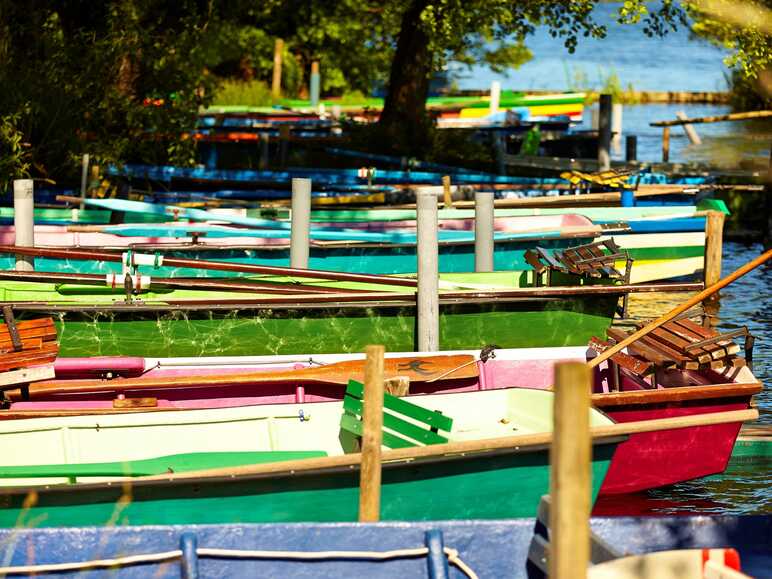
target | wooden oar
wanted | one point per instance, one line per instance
(709, 291)
(416, 368)
(236, 284)
(214, 265)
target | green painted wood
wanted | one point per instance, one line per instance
(353, 425)
(397, 404)
(155, 466)
(401, 427)
(488, 486)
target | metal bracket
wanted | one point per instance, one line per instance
(10, 322)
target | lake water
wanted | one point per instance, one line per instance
(745, 487)
(677, 62)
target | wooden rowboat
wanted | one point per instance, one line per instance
(707, 406)
(439, 481)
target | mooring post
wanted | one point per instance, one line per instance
(284, 135)
(427, 248)
(315, 84)
(483, 231)
(665, 144)
(372, 436)
(278, 48)
(84, 179)
(447, 197)
(495, 97)
(631, 148)
(714, 236)
(301, 223)
(24, 221)
(570, 475)
(604, 132)
(265, 142)
(616, 127)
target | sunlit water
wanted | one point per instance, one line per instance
(678, 62)
(745, 487)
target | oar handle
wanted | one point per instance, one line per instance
(707, 292)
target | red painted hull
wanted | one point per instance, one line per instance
(656, 459)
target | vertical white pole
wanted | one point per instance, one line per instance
(616, 127)
(301, 223)
(483, 231)
(428, 272)
(495, 96)
(24, 221)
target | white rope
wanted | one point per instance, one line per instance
(452, 555)
(94, 564)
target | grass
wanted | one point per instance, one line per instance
(255, 93)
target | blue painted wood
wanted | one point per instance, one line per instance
(350, 176)
(490, 548)
(437, 562)
(189, 562)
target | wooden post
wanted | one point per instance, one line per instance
(265, 141)
(665, 144)
(483, 231)
(570, 474)
(690, 131)
(768, 203)
(84, 179)
(315, 84)
(300, 227)
(24, 221)
(604, 132)
(714, 234)
(446, 195)
(372, 417)
(284, 135)
(278, 48)
(427, 249)
(631, 148)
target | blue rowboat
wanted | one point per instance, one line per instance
(435, 550)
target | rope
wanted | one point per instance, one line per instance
(452, 555)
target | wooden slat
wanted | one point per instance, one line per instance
(655, 355)
(634, 365)
(26, 345)
(728, 346)
(673, 341)
(27, 358)
(678, 394)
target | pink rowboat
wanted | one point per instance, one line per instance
(712, 403)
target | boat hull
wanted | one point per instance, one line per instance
(657, 459)
(132, 330)
(488, 485)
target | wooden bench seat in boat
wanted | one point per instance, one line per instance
(677, 345)
(405, 424)
(27, 351)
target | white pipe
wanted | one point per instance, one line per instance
(428, 313)
(24, 221)
(301, 223)
(495, 96)
(690, 131)
(483, 231)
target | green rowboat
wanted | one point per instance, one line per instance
(472, 475)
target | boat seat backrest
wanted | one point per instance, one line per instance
(404, 424)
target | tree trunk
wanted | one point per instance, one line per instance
(404, 118)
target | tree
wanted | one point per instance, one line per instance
(745, 29)
(433, 32)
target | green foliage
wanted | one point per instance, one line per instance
(14, 152)
(253, 93)
(742, 26)
(608, 83)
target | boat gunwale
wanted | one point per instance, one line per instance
(676, 394)
(309, 467)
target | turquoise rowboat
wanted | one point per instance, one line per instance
(301, 462)
(475, 310)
